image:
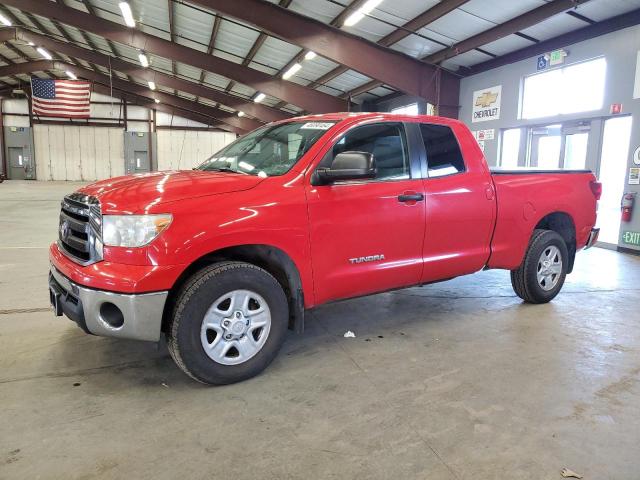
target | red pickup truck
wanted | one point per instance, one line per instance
(225, 258)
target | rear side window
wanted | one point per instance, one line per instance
(443, 152)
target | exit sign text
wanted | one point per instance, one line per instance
(631, 238)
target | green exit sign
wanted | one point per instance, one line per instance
(631, 238)
(557, 57)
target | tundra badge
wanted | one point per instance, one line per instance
(370, 258)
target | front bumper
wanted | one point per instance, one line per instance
(593, 238)
(110, 314)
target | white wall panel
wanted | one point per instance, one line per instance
(87, 139)
(185, 149)
(103, 154)
(15, 105)
(116, 151)
(164, 119)
(65, 152)
(72, 152)
(15, 121)
(41, 152)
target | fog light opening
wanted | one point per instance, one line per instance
(111, 315)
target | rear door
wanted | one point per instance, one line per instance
(365, 236)
(460, 204)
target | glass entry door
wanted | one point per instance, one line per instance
(559, 146)
(613, 170)
(575, 140)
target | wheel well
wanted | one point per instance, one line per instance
(562, 224)
(271, 259)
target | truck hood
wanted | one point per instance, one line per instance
(137, 193)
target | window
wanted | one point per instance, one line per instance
(510, 148)
(386, 141)
(572, 89)
(411, 109)
(443, 152)
(268, 151)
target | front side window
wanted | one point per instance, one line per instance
(268, 151)
(386, 142)
(443, 152)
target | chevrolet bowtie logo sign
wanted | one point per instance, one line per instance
(486, 99)
(486, 104)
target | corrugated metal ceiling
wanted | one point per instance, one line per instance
(193, 28)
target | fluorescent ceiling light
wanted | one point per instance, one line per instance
(71, 75)
(354, 18)
(125, 8)
(144, 61)
(259, 97)
(5, 21)
(152, 85)
(359, 14)
(310, 55)
(241, 114)
(292, 70)
(44, 53)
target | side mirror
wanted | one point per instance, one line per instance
(347, 166)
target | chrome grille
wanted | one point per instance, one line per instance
(80, 228)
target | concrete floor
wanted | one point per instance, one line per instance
(453, 381)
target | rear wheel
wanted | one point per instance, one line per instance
(229, 323)
(542, 273)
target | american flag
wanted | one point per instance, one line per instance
(60, 98)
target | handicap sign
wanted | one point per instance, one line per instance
(542, 62)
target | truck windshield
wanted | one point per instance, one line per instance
(268, 151)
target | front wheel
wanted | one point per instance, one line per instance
(542, 273)
(229, 323)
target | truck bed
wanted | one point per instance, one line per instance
(522, 171)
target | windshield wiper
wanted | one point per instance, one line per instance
(226, 170)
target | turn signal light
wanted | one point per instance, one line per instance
(596, 189)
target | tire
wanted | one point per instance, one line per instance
(198, 346)
(525, 279)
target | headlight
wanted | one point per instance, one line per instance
(133, 230)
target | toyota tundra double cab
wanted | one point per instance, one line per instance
(223, 259)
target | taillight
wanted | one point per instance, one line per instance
(596, 189)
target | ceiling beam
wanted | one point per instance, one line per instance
(336, 22)
(170, 8)
(256, 45)
(307, 98)
(261, 112)
(425, 18)
(234, 123)
(390, 67)
(502, 30)
(134, 99)
(603, 27)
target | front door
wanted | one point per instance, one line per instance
(365, 235)
(18, 164)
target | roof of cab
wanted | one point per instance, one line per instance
(340, 116)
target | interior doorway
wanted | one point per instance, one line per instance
(612, 175)
(17, 163)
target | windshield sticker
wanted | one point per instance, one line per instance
(316, 126)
